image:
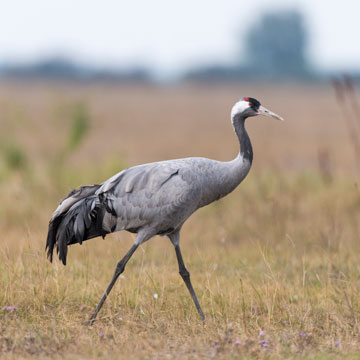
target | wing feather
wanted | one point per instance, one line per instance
(148, 194)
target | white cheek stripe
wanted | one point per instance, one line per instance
(238, 108)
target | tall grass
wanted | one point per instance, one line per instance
(347, 101)
(274, 279)
(275, 264)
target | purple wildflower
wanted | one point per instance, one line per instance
(217, 348)
(262, 333)
(9, 308)
(238, 342)
(337, 343)
(101, 335)
(263, 343)
(302, 334)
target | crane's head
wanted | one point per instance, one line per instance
(248, 106)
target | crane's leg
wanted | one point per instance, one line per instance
(120, 267)
(185, 273)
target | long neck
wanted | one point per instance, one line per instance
(246, 151)
(229, 174)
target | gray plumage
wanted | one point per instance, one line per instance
(152, 199)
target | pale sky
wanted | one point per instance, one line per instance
(167, 36)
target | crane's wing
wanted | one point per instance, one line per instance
(150, 176)
(155, 195)
(148, 195)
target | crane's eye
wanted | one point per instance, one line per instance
(251, 104)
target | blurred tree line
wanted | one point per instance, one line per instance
(275, 49)
(60, 68)
(276, 45)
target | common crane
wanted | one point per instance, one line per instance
(152, 199)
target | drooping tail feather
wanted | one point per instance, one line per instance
(74, 221)
(51, 237)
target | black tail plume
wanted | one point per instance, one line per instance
(75, 223)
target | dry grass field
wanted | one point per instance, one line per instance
(276, 264)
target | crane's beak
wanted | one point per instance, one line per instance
(266, 112)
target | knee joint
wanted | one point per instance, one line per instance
(184, 274)
(119, 267)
